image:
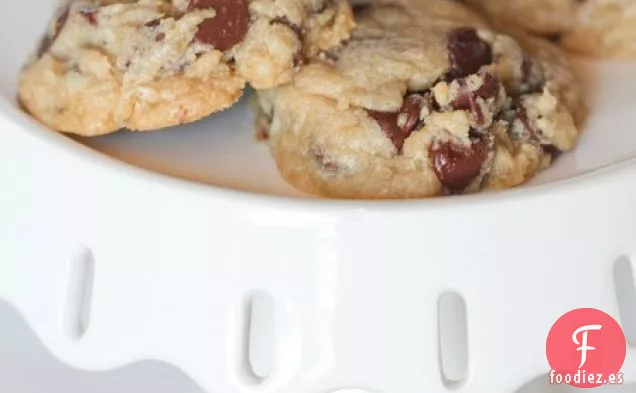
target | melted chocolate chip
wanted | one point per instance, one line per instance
(411, 109)
(160, 36)
(467, 99)
(48, 40)
(90, 15)
(522, 115)
(388, 123)
(466, 52)
(552, 151)
(153, 23)
(399, 125)
(457, 166)
(478, 114)
(519, 125)
(489, 88)
(227, 28)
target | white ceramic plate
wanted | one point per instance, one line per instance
(26, 367)
(221, 150)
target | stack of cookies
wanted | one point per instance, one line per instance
(383, 100)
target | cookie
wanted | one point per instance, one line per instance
(597, 28)
(144, 65)
(425, 99)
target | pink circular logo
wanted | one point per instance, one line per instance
(586, 348)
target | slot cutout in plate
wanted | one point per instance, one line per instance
(79, 287)
(262, 337)
(258, 348)
(625, 288)
(453, 339)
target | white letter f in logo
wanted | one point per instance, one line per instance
(583, 344)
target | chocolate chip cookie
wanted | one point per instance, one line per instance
(425, 99)
(149, 64)
(598, 28)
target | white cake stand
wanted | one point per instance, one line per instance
(184, 246)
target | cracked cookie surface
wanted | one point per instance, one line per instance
(423, 100)
(598, 28)
(104, 65)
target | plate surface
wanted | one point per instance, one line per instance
(221, 150)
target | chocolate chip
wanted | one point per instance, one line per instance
(399, 125)
(282, 20)
(552, 151)
(160, 36)
(520, 126)
(467, 99)
(227, 28)
(411, 109)
(48, 40)
(522, 116)
(489, 88)
(90, 15)
(458, 166)
(466, 52)
(532, 79)
(388, 123)
(153, 23)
